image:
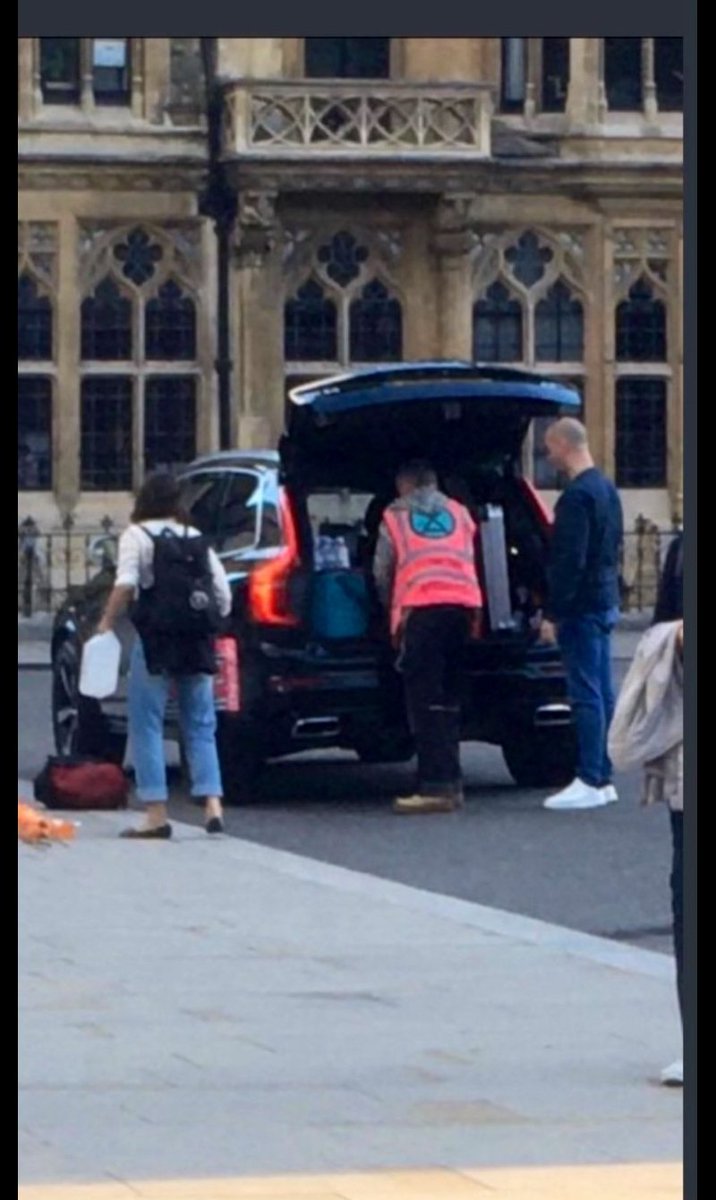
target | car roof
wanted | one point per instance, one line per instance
(236, 459)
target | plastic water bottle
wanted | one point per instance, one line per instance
(343, 558)
(99, 673)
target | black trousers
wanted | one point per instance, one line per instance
(431, 661)
(677, 900)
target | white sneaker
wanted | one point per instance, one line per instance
(610, 794)
(673, 1076)
(577, 796)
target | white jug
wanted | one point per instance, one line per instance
(99, 673)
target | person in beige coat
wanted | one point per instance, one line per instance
(648, 731)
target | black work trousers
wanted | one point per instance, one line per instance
(431, 661)
(677, 900)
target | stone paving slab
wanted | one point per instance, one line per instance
(203, 1017)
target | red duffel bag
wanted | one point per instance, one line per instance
(81, 784)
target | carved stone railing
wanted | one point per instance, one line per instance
(347, 118)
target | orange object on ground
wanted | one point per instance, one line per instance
(35, 828)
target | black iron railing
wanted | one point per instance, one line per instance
(51, 562)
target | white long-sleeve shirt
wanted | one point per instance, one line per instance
(136, 560)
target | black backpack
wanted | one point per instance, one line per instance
(178, 617)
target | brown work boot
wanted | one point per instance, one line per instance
(407, 805)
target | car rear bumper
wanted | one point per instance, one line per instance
(305, 701)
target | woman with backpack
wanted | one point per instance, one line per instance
(179, 594)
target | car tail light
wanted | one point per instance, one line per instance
(537, 504)
(268, 583)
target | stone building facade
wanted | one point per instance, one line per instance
(515, 200)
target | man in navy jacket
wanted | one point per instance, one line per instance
(583, 606)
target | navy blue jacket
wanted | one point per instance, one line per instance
(586, 547)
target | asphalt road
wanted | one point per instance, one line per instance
(603, 872)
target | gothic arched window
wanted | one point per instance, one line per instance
(347, 58)
(641, 325)
(107, 324)
(376, 325)
(528, 259)
(170, 325)
(559, 326)
(623, 75)
(34, 321)
(310, 326)
(497, 326)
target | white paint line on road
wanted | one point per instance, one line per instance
(512, 926)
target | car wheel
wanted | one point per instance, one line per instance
(79, 725)
(65, 698)
(240, 759)
(539, 759)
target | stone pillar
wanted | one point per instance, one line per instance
(586, 87)
(447, 59)
(598, 316)
(250, 58)
(66, 423)
(453, 239)
(157, 66)
(87, 73)
(207, 416)
(257, 303)
(25, 81)
(605, 397)
(533, 83)
(419, 287)
(137, 51)
(647, 64)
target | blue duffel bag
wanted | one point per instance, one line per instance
(340, 604)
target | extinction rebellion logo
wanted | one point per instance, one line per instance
(438, 524)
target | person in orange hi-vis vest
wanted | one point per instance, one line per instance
(425, 573)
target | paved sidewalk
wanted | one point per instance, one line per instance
(212, 1019)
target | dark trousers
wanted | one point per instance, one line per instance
(585, 643)
(431, 661)
(677, 900)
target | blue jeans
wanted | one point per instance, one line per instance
(585, 643)
(147, 701)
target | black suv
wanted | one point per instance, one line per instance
(305, 682)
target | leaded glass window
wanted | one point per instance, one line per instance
(34, 433)
(559, 326)
(376, 325)
(106, 324)
(641, 325)
(34, 321)
(169, 421)
(170, 325)
(641, 414)
(106, 433)
(497, 326)
(310, 325)
(623, 74)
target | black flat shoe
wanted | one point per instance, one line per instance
(160, 833)
(215, 825)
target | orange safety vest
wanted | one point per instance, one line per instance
(435, 554)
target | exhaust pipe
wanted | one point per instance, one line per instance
(550, 715)
(316, 727)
